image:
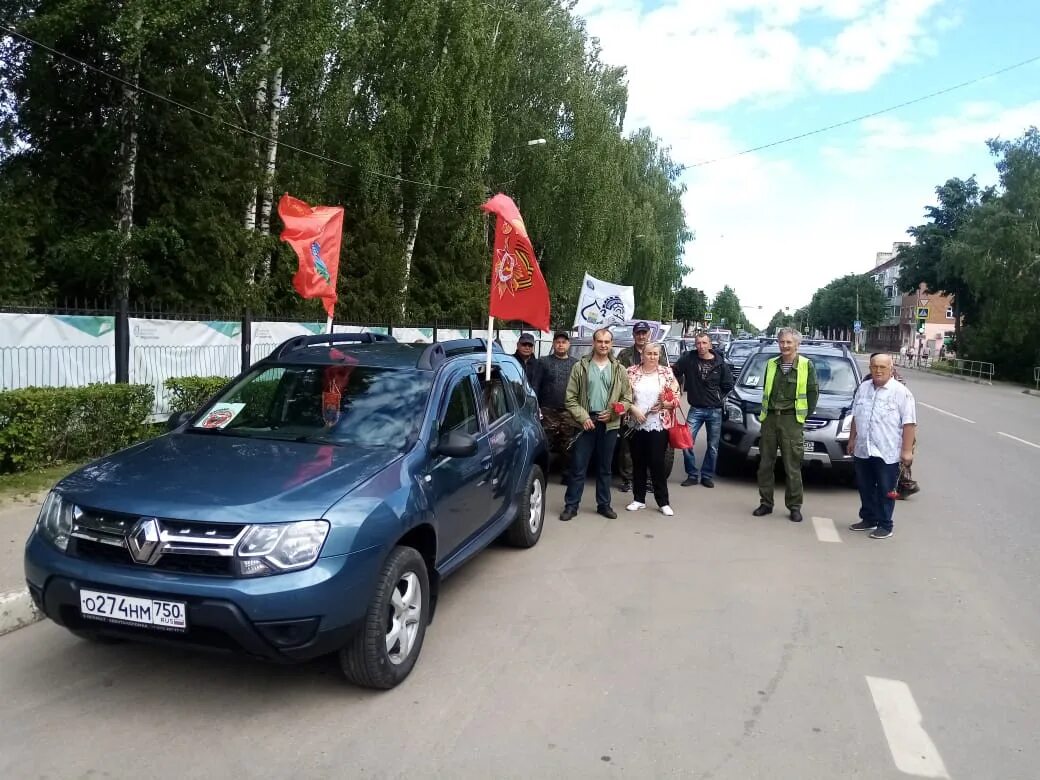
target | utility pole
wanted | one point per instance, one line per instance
(856, 335)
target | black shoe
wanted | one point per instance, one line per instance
(863, 525)
(763, 510)
(796, 515)
(881, 533)
(607, 512)
(708, 482)
(690, 481)
(568, 513)
(626, 487)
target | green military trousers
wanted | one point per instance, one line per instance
(783, 431)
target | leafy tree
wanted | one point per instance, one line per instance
(690, 306)
(726, 311)
(837, 305)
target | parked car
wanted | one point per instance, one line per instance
(826, 429)
(312, 507)
(739, 351)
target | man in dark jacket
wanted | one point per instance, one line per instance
(525, 354)
(558, 423)
(707, 379)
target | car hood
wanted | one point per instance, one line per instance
(223, 478)
(829, 407)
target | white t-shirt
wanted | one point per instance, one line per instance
(880, 414)
(646, 392)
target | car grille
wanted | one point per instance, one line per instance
(187, 547)
(815, 423)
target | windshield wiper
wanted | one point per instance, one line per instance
(310, 439)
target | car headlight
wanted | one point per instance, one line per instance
(55, 521)
(279, 547)
(734, 412)
(846, 429)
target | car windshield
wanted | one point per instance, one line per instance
(328, 404)
(833, 372)
(741, 350)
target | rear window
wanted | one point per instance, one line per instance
(833, 372)
(742, 350)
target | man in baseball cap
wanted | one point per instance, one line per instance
(525, 354)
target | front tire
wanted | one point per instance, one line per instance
(526, 529)
(385, 650)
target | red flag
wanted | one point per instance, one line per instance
(518, 289)
(315, 234)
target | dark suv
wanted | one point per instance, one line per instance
(313, 506)
(826, 429)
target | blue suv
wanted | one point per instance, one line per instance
(313, 506)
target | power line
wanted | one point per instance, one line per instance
(218, 120)
(879, 112)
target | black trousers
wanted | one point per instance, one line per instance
(648, 452)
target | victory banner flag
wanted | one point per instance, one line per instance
(315, 234)
(518, 289)
(601, 304)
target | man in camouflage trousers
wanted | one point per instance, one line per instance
(559, 424)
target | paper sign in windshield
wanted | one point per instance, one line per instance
(752, 381)
(220, 415)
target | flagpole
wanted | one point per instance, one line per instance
(328, 326)
(490, 343)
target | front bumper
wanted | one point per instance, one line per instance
(284, 617)
(740, 443)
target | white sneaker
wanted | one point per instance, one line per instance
(635, 506)
(667, 511)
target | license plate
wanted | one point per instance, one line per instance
(132, 611)
(809, 446)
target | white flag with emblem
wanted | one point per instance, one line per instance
(601, 304)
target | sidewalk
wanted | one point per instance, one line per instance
(16, 521)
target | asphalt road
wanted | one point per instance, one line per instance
(708, 645)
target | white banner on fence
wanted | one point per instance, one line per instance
(54, 350)
(603, 303)
(161, 349)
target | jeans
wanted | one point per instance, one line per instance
(712, 420)
(875, 480)
(648, 451)
(598, 441)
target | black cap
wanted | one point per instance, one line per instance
(641, 325)
(525, 338)
(561, 334)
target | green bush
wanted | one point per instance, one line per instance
(41, 426)
(189, 393)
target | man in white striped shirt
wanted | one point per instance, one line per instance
(884, 426)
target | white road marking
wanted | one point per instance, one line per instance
(943, 411)
(912, 749)
(1021, 441)
(825, 530)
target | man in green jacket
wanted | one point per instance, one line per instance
(598, 395)
(789, 395)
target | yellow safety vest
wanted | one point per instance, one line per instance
(801, 401)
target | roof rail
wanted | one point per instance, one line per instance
(437, 353)
(302, 342)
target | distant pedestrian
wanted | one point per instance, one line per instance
(598, 395)
(654, 397)
(707, 378)
(525, 354)
(789, 395)
(884, 429)
(628, 357)
(555, 373)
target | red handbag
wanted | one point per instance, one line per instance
(679, 437)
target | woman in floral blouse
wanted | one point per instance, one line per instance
(655, 394)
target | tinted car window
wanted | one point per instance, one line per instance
(496, 399)
(337, 404)
(461, 412)
(515, 381)
(741, 350)
(833, 372)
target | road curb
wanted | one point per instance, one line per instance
(17, 611)
(1027, 391)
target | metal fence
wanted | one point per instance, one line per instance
(978, 369)
(1036, 376)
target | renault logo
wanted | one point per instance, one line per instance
(144, 541)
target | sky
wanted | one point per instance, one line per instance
(715, 77)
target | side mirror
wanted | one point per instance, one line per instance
(178, 419)
(456, 444)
